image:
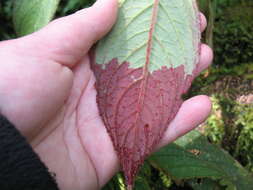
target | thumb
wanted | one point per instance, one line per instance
(67, 39)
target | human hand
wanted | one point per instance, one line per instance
(47, 91)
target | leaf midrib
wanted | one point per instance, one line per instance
(145, 73)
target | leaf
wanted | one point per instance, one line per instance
(141, 184)
(144, 175)
(205, 184)
(193, 157)
(142, 68)
(31, 15)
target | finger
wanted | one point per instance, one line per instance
(67, 39)
(205, 59)
(192, 113)
(203, 22)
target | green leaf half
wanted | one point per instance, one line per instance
(154, 33)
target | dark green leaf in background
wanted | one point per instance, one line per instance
(75, 5)
(193, 157)
(205, 184)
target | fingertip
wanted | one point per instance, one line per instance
(206, 58)
(206, 55)
(104, 14)
(203, 22)
(192, 113)
(202, 103)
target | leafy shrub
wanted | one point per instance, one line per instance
(233, 34)
(244, 148)
(214, 126)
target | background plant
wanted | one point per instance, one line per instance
(219, 154)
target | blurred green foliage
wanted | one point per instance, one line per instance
(6, 26)
(229, 83)
(67, 7)
(29, 16)
(230, 80)
(233, 33)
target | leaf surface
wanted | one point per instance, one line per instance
(165, 31)
(192, 156)
(31, 15)
(142, 68)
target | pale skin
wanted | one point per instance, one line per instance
(47, 91)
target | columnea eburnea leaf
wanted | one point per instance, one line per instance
(142, 67)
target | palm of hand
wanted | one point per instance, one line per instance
(79, 132)
(55, 108)
(58, 114)
(54, 105)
